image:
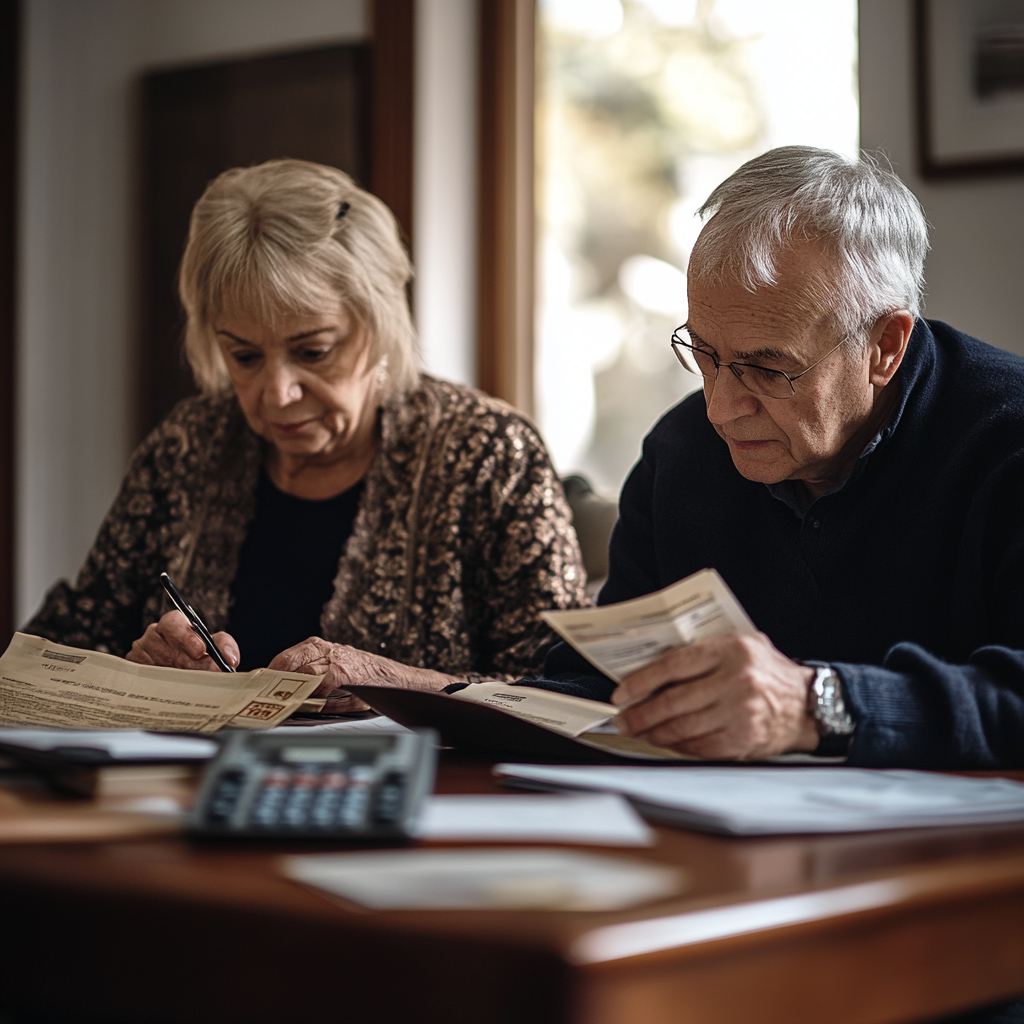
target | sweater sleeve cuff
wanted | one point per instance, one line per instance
(892, 725)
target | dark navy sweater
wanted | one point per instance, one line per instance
(908, 579)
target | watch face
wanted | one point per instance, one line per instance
(828, 707)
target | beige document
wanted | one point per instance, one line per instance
(488, 879)
(50, 685)
(570, 716)
(619, 639)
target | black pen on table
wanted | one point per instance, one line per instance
(194, 620)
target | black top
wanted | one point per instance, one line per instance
(909, 578)
(286, 569)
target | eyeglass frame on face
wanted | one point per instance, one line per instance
(738, 368)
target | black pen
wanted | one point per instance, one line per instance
(194, 620)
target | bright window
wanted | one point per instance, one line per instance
(643, 107)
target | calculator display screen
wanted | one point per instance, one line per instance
(284, 750)
(311, 755)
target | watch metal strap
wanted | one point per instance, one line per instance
(828, 709)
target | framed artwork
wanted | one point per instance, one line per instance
(970, 87)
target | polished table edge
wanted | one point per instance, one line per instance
(700, 929)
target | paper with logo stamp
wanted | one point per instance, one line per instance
(50, 685)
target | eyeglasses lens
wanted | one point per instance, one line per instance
(769, 383)
(694, 360)
(759, 380)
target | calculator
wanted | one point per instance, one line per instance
(341, 786)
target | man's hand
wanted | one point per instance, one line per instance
(735, 698)
(346, 666)
(172, 642)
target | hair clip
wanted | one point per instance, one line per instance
(342, 210)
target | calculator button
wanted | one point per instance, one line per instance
(327, 799)
(352, 812)
(389, 799)
(266, 807)
(226, 792)
(356, 800)
(300, 797)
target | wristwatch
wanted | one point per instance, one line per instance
(828, 709)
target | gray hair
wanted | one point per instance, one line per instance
(868, 223)
(287, 237)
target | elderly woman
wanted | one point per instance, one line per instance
(322, 487)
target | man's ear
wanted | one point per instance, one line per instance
(888, 346)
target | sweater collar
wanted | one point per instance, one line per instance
(918, 361)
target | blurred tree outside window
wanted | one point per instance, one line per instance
(643, 107)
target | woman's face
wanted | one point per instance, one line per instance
(303, 384)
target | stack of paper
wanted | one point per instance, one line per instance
(109, 744)
(485, 879)
(601, 819)
(775, 801)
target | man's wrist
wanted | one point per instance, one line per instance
(807, 738)
(827, 707)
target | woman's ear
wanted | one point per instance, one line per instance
(888, 345)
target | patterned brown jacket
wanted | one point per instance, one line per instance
(462, 537)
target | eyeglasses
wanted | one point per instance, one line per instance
(758, 379)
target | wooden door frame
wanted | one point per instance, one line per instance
(505, 201)
(505, 173)
(10, 39)
(392, 106)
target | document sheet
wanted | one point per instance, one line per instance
(601, 819)
(619, 639)
(499, 879)
(778, 801)
(48, 684)
(570, 716)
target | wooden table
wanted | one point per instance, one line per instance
(858, 929)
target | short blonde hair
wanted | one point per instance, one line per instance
(288, 237)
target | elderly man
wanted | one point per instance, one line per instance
(855, 473)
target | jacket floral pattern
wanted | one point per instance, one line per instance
(463, 536)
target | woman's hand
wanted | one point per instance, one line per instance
(345, 666)
(172, 642)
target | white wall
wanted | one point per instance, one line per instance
(975, 271)
(444, 229)
(82, 59)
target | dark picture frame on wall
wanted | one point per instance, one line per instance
(970, 87)
(198, 121)
(348, 105)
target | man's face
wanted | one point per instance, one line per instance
(810, 436)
